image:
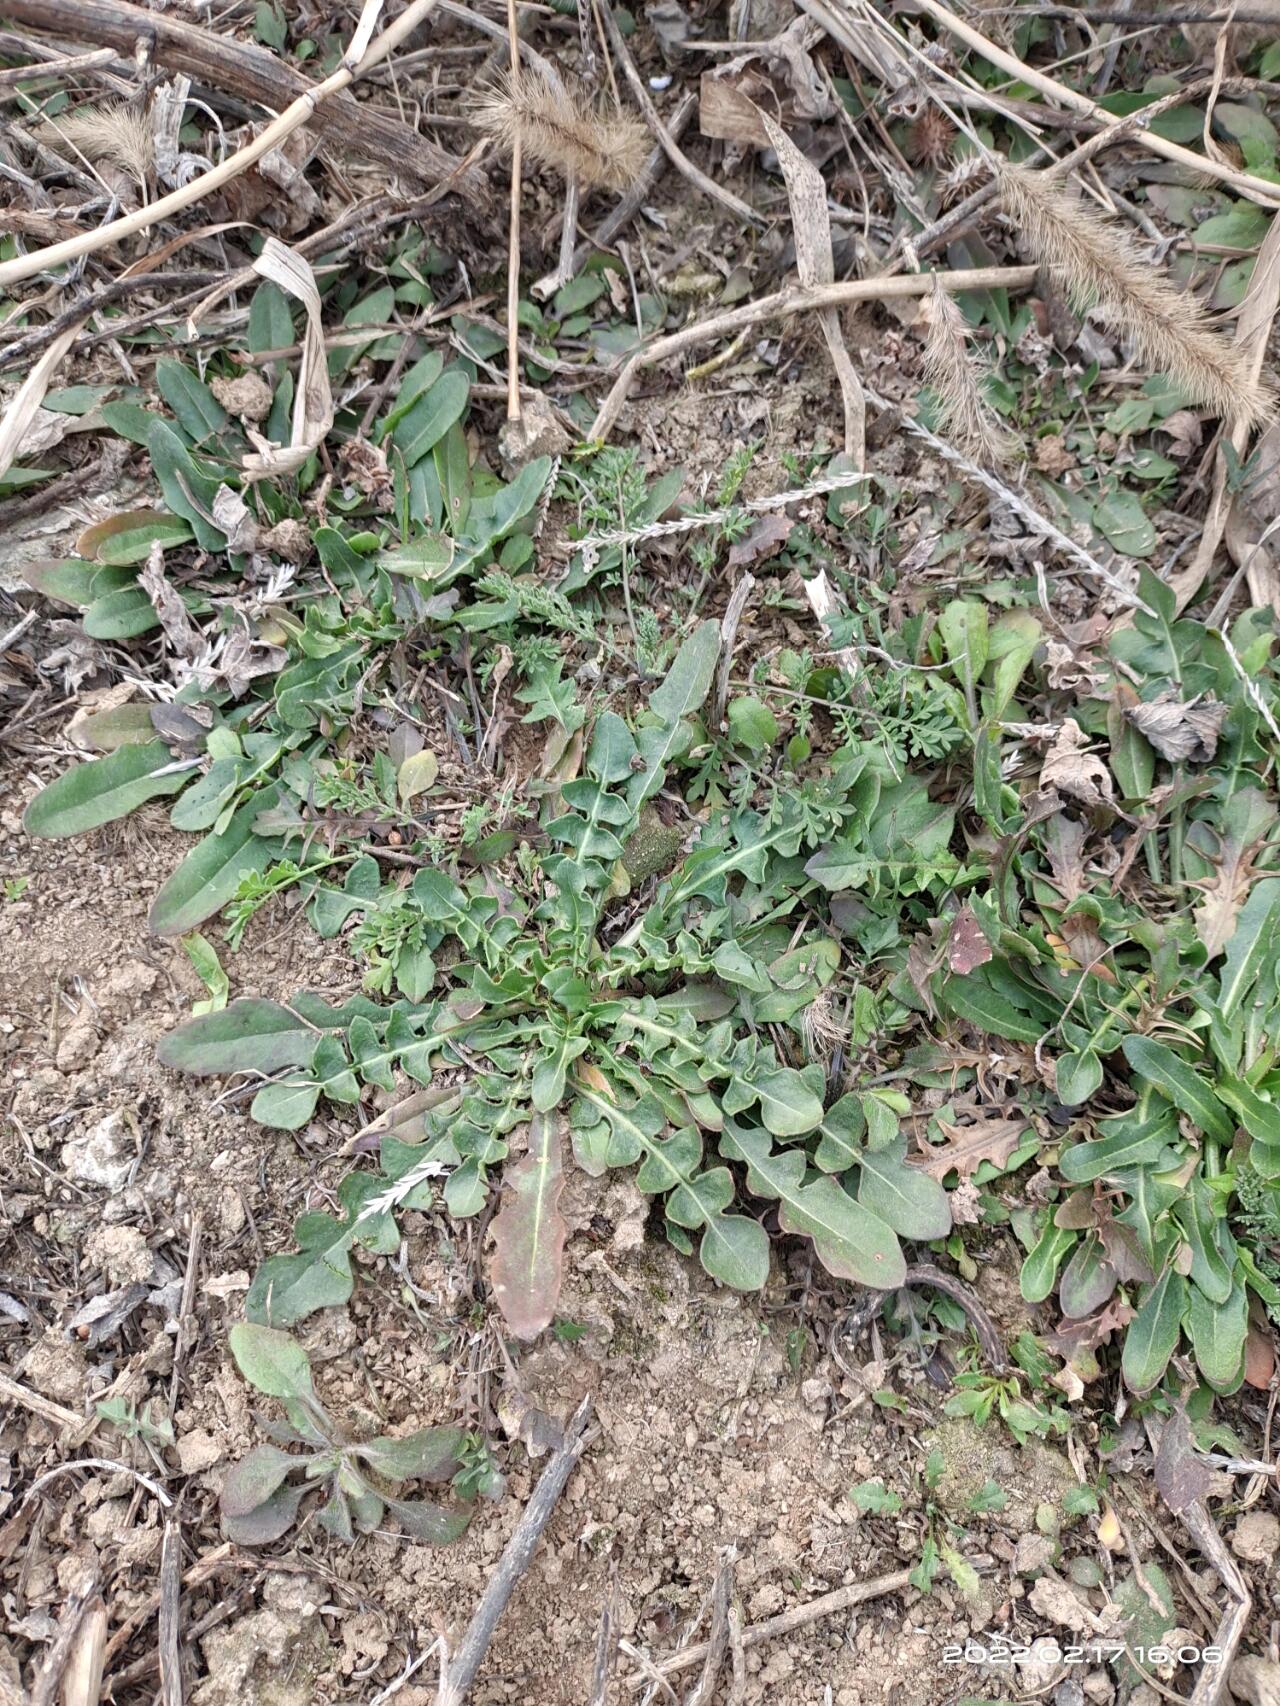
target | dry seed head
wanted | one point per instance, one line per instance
(561, 126)
(121, 135)
(956, 372)
(929, 139)
(1097, 266)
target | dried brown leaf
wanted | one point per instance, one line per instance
(762, 543)
(313, 399)
(967, 945)
(811, 232)
(968, 1146)
(1184, 733)
(529, 1232)
(1070, 769)
(180, 631)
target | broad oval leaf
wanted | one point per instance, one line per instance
(430, 1454)
(1040, 1269)
(1218, 1334)
(125, 539)
(253, 1480)
(250, 1035)
(272, 1361)
(122, 614)
(735, 1251)
(430, 416)
(210, 874)
(909, 1201)
(1088, 1279)
(98, 792)
(1152, 1336)
(268, 1521)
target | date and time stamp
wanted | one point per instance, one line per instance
(998, 1651)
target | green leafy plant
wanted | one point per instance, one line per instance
(642, 1042)
(263, 1493)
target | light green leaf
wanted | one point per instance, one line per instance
(272, 1361)
(1152, 1336)
(98, 792)
(1176, 1081)
(909, 1201)
(251, 1035)
(210, 874)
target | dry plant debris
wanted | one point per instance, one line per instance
(730, 908)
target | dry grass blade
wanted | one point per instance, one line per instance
(1253, 332)
(1096, 265)
(956, 372)
(313, 400)
(811, 229)
(562, 127)
(1257, 189)
(26, 400)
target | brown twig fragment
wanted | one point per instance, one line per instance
(243, 69)
(826, 1605)
(781, 304)
(459, 1674)
(361, 57)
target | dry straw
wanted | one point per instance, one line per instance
(957, 372)
(559, 125)
(1097, 266)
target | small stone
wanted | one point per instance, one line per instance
(198, 1450)
(1098, 1687)
(1034, 1553)
(247, 395)
(103, 1156)
(537, 433)
(1040, 1665)
(289, 539)
(122, 1251)
(1257, 1537)
(1256, 1681)
(55, 1367)
(77, 1046)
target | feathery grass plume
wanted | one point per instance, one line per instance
(119, 134)
(956, 371)
(559, 125)
(1097, 266)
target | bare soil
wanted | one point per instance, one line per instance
(720, 1422)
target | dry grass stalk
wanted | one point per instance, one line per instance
(561, 126)
(119, 135)
(1097, 266)
(956, 372)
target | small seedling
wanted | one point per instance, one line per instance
(262, 1494)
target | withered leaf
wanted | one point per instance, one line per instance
(762, 543)
(1184, 733)
(529, 1234)
(180, 631)
(967, 946)
(968, 1146)
(1064, 843)
(1071, 769)
(1181, 1478)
